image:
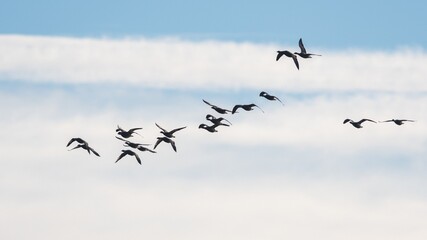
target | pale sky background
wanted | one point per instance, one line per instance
(80, 68)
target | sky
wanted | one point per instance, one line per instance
(292, 171)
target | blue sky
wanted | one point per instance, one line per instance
(328, 24)
(80, 68)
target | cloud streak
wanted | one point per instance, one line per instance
(175, 63)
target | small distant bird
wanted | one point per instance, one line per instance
(82, 144)
(303, 52)
(288, 54)
(126, 134)
(139, 146)
(166, 140)
(399, 121)
(216, 108)
(130, 153)
(270, 97)
(79, 140)
(246, 107)
(217, 121)
(359, 123)
(169, 134)
(209, 128)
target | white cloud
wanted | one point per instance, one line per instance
(298, 167)
(183, 64)
(293, 172)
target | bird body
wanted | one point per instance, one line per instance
(139, 146)
(130, 153)
(143, 149)
(357, 124)
(209, 128)
(246, 107)
(270, 97)
(399, 121)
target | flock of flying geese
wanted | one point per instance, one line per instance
(167, 136)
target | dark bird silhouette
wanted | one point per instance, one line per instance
(246, 107)
(359, 123)
(209, 128)
(399, 121)
(166, 140)
(169, 134)
(270, 97)
(79, 140)
(126, 134)
(217, 121)
(303, 52)
(82, 144)
(288, 54)
(216, 108)
(130, 153)
(139, 146)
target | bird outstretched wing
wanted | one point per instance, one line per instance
(159, 140)
(173, 145)
(279, 55)
(365, 119)
(121, 156)
(137, 158)
(177, 129)
(301, 46)
(160, 127)
(208, 103)
(94, 152)
(134, 129)
(294, 57)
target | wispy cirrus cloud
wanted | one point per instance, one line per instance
(176, 63)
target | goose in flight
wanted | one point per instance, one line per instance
(139, 146)
(127, 134)
(166, 140)
(303, 52)
(82, 144)
(288, 54)
(246, 107)
(359, 123)
(169, 134)
(79, 140)
(216, 108)
(399, 121)
(209, 128)
(270, 97)
(130, 153)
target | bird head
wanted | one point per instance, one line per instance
(209, 117)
